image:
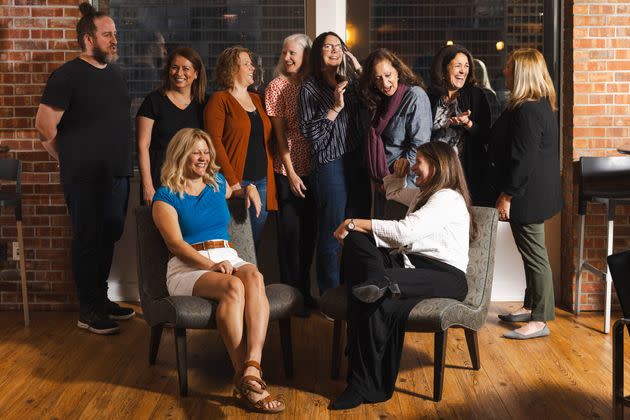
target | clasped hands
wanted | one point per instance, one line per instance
(224, 267)
(462, 119)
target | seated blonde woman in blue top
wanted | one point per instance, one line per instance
(191, 213)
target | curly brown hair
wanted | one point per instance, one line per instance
(370, 94)
(227, 65)
(439, 69)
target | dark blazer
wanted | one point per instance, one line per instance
(474, 159)
(524, 162)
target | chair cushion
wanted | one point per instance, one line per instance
(284, 301)
(334, 303)
(428, 315)
(198, 313)
(434, 315)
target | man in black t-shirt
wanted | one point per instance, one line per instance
(83, 122)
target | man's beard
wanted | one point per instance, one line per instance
(103, 56)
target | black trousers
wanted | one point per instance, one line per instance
(376, 331)
(297, 226)
(97, 211)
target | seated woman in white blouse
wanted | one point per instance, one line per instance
(391, 265)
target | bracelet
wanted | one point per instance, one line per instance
(335, 111)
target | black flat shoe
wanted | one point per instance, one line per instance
(348, 399)
(516, 318)
(369, 292)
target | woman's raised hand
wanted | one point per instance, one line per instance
(401, 167)
(355, 62)
(340, 89)
(462, 119)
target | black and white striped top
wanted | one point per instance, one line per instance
(330, 139)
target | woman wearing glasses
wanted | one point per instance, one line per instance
(329, 120)
(461, 113)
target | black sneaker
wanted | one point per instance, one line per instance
(98, 323)
(117, 312)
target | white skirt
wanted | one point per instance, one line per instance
(181, 277)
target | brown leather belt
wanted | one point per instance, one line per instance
(201, 246)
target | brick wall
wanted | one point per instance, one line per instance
(596, 122)
(36, 36)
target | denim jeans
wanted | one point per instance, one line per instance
(258, 223)
(341, 189)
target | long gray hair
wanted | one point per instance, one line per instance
(305, 43)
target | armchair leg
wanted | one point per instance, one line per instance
(180, 354)
(473, 347)
(337, 349)
(438, 363)
(154, 342)
(287, 346)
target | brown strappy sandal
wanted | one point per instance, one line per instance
(243, 387)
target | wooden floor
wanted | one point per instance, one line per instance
(54, 370)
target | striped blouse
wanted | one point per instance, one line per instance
(330, 139)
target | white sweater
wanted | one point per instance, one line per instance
(440, 229)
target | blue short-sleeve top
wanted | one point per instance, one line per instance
(202, 217)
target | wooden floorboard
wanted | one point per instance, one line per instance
(54, 370)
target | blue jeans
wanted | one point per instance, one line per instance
(258, 223)
(341, 189)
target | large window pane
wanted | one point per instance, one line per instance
(415, 30)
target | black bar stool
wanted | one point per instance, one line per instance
(604, 180)
(11, 170)
(619, 267)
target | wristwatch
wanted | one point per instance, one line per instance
(351, 226)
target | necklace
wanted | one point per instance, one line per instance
(179, 101)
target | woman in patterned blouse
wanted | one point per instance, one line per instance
(292, 165)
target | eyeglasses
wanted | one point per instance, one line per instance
(331, 47)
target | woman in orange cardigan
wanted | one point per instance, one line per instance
(241, 131)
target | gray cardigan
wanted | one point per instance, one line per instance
(409, 128)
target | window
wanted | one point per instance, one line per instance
(490, 29)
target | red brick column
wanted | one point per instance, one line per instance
(36, 36)
(596, 121)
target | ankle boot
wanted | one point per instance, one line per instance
(370, 292)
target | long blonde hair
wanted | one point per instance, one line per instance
(179, 149)
(532, 81)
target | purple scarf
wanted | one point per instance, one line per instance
(374, 153)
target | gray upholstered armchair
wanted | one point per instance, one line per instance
(183, 312)
(438, 315)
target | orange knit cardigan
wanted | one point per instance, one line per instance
(228, 125)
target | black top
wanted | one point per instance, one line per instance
(256, 159)
(94, 134)
(524, 162)
(473, 156)
(169, 119)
